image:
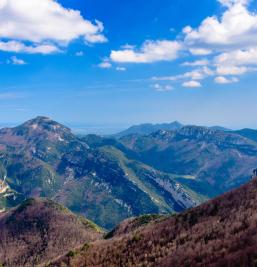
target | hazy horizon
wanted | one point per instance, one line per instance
(108, 129)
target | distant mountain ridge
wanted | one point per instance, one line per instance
(248, 133)
(148, 128)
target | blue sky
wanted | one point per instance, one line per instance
(118, 63)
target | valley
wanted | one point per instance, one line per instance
(137, 189)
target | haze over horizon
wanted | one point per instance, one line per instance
(115, 71)
(110, 129)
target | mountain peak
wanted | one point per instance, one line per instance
(41, 119)
(43, 124)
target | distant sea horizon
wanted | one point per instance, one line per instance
(82, 128)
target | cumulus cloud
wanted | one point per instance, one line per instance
(238, 57)
(151, 51)
(45, 24)
(237, 27)
(225, 80)
(192, 84)
(236, 62)
(231, 70)
(228, 42)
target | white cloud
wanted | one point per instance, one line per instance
(121, 69)
(105, 65)
(236, 28)
(225, 80)
(237, 62)
(231, 70)
(18, 47)
(79, 54)
(201, 62)
(127, 46)
(192, 84)
(45, 24)
(238, 57)
(230, 3)
(200, 51)
(151, 51)
(196, 74)
(233, 36)
(16, 61)
(162, 88)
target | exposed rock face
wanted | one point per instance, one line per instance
(218, 161)
(39, 230)
(42, 158)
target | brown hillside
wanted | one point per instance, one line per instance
(222, 232)
(40, 230)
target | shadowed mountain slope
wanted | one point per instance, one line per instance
(248, 133)
(39, 230)
(221, 232)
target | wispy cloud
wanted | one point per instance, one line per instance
(200, 62)
(105, 65)
(16, 61)
(121, 69)
(79, 54)
(162, 88)
(10, 95)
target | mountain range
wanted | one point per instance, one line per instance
(163, 172)
(136, 187)
(149, 128)
(42, 158)
(213, 161)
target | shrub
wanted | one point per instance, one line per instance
(71, 254)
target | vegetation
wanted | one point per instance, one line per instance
(92, 176)
(39, 230)
(221, 232)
